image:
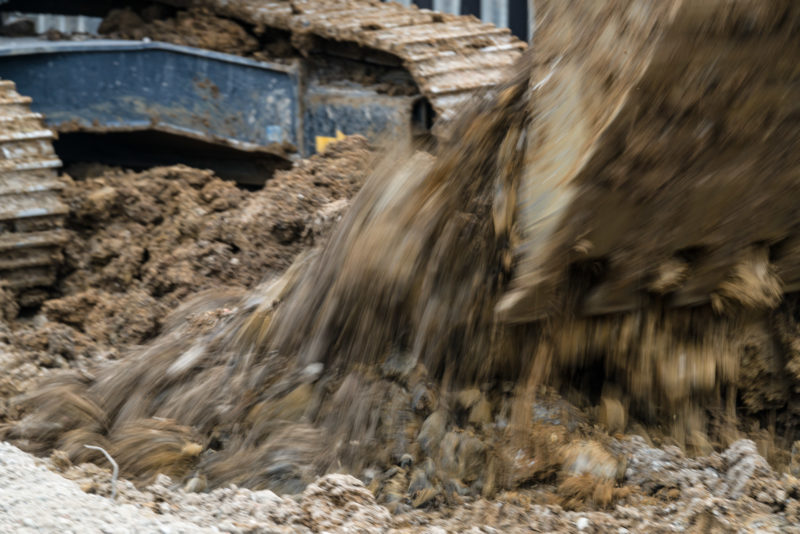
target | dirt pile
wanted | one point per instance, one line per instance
(142, 242)
(201, 27)
(33, 499)
(197, 27)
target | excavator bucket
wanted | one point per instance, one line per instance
(661, 156)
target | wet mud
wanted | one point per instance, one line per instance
(378, 353)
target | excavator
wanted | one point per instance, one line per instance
(448, 58)
(376, 69)
(619, 199)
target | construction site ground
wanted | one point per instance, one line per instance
(142, 243)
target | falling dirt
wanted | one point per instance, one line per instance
(379, 354)
(387, 352)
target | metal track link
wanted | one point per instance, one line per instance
(450, 57)
(31, 212)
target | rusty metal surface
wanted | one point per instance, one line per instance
(31, 212)
(450, 57)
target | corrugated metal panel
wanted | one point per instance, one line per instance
(62, 23)
(495, 11)
(447, 6)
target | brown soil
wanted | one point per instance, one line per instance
(142, 242)
(381, 354)
(202, 233)
(198, 27)
(202, 28)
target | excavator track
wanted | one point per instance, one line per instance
(31, 212)
(450, 57)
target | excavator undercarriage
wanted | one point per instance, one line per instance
(31, 212)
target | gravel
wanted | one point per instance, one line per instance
(731, 491)
(34, 499)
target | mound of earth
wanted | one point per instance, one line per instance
(732, 491)
(141, 242)
(197, 27)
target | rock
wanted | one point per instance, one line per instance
(471, 458)
(60, 460)
(612, 414)
(342, 503)
(481, 413)
(467, 398)
(743, 465)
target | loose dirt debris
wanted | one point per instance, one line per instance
(732, 491)
(200, 27)
(144, 242)
(580, 469)
(140, 243)
(197, 27)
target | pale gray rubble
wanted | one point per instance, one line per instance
(34, 499)
(334, 503)
(731, 491)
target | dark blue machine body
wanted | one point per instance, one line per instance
(107, 85)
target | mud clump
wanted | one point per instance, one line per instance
(142, 242)
(197, 27)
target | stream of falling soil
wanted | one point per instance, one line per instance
(381, 354)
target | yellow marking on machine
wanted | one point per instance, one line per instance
(323, 141)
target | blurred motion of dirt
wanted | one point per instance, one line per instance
(144, 242)
(141, 242)
(393, 352)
